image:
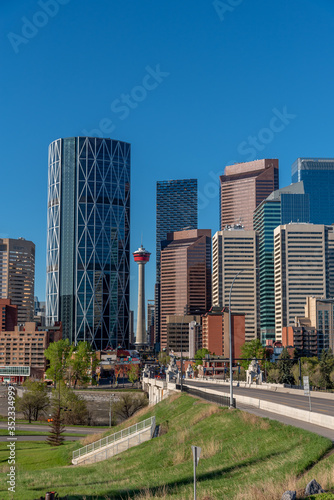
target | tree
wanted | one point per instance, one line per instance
(74, 408)
(250, 350)
(118, 370)
(81, 363)
(273, 373)
(57, 428)
(295, 373)
(316, 378)
(34, 401)
(326, 366)
(200, 355)
(55, 437)
(284, 366)
(133, 374)
(163, 358)
(57, 354)
(128, 404)
(332, 377)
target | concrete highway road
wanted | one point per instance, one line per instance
(319, 405)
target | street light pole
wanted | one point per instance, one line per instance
(230, 334)
(111, 395)
(181, 384)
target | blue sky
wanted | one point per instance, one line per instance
(232, 81)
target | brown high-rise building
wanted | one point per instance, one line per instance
(243, 187)
(8, 315)
(17, 275)
(185, 275)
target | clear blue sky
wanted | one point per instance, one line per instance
(225, 76)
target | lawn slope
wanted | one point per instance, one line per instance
(243, 457)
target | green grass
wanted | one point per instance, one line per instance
(243, 457)
(4, 432)
(41, 422)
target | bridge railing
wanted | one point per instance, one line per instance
(149, 422)
(213, 398)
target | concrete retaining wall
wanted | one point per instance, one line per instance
(269, 387)
(288, 411)
(114, 448)
(159, 389)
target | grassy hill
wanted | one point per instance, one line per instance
(243, 457)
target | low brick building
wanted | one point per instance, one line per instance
(24, 347)
(303, 338)
(215, 332)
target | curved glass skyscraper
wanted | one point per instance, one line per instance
(88, 240)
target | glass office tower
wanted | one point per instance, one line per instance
(289, 204)
(317, 175)
(176, 210)
(88, 240)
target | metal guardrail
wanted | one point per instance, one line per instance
(149, 422)
(213, 398)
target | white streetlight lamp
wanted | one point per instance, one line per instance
(230, 334)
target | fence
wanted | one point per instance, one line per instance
(213, 398)
(149, 422)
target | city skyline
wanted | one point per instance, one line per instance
(204, 92)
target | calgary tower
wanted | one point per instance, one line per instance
(141, 256)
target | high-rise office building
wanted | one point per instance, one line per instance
(39, 312)
(289, 204)
(150, 321)
(242, 188)
(235, 250)
(185, 275)
(317, 175)
(88, 242)
(303, 260)
(176, 206)
(17, 275)
(131, 328)
(320, 313)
